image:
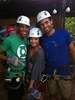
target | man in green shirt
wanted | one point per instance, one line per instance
(15, 48)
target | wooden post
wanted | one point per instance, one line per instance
(62, 13)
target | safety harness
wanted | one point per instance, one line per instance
(55, 75)
(18, 79)
(34, 93)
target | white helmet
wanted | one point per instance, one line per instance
(43, 14)
(23, 20)
(35, 32)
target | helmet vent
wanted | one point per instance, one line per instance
(38, 32)
(45, 13)
(20, 18)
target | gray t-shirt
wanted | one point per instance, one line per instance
(36, 65)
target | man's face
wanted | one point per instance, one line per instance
(46, 25)
(23, 30)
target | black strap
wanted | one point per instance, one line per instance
(66, 67)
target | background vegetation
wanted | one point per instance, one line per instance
(70, 26)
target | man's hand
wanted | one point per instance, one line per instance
(73, 74)
(14, 61)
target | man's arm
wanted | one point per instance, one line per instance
(2, 55)
(72, 51)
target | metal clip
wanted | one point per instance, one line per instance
(8, 80)
(55, 71)
(44, 78)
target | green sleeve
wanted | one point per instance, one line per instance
(6, 44)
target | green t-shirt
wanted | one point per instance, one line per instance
(14, 46)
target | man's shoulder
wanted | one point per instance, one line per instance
(60, 29)
(63, 31)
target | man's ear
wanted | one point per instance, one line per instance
(51, 21)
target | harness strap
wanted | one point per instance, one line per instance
(10, 87)
(66, 67)
(14, 70)
(58, 77)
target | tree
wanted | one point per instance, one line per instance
(70, 26)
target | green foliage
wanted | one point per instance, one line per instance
(70, 26)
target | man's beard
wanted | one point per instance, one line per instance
(50, 29)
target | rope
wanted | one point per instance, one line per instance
(14, 87)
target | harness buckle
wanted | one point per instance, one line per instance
(55, 71)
